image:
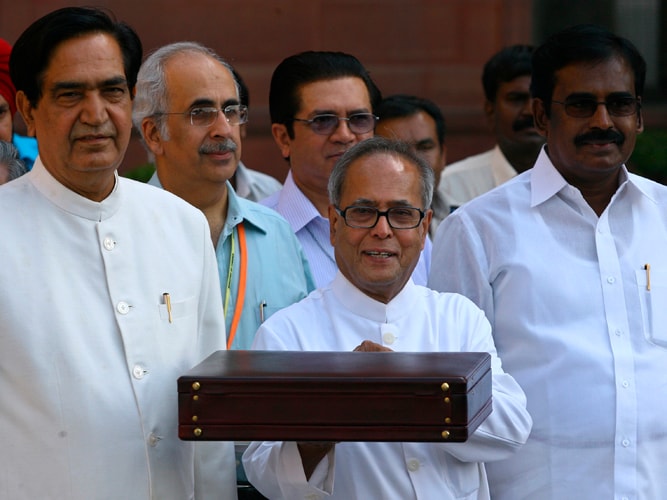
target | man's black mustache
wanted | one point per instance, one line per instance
(523, 123)
(600, 136)
(218, 147)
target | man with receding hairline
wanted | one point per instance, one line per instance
(379, 213)
(189, 113)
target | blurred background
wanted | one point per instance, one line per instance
(431, 48)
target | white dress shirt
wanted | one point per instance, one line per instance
(338, 318)
(89, 352)
(466, 179)
(576, 324)
(312, 230)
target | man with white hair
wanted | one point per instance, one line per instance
(182, 90)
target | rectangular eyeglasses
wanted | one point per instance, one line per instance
(368, 217)
(585, 107)
(326, 124)
(235, 114)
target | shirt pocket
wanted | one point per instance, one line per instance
(177, 339)
(652, 287)
(265, 311)
(179, 309)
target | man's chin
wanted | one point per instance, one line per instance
(97, 162)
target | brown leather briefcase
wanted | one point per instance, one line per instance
(335, 396)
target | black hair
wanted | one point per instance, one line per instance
(33, 50)
(308, 67)
(504, 66)
(404, 105)
(585, 43)
(244, 93)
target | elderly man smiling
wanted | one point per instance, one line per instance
(380, 193)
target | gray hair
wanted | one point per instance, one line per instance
(9, 156)
(380, 145)
(151, 97)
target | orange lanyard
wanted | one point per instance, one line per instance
(240, 292)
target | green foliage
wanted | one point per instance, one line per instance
(141, 173)
(649, 158)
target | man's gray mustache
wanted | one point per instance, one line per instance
(219, 147)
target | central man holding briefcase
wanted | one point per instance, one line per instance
(380, 195)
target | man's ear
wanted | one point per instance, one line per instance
(26, 110)
(333, 218)
(282, 138)
(152, 136)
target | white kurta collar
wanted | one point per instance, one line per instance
(71, 202)
(361, 304)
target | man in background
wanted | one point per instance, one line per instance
(189, 113)
(419, 123)
(508, 109)
(26, 146)
(11, 167)
(321, 104)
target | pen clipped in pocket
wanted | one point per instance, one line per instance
(172, 309)
(652, 286)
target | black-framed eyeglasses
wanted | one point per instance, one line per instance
(585, 107)
(326, 124)
(368, 217)
(235, 114)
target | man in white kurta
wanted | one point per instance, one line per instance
(88, 355)
(109, 289)
(353, 313)
(338, 318)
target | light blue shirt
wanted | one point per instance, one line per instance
(277, 272)
(312, 230)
